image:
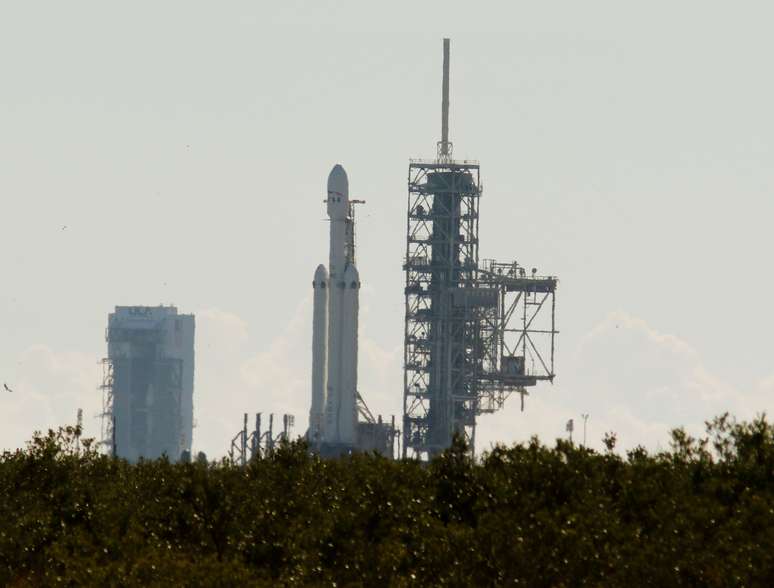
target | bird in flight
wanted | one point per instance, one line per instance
(6, 387)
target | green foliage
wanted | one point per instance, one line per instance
(701, 513)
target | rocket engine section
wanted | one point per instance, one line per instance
(341, 412)
(333, 429)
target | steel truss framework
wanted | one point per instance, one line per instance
(106, 416)
(474, 334)
(246, 446)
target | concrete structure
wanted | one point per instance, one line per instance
(148, 382)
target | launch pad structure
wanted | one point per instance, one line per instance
(247, 445)
(476, 332)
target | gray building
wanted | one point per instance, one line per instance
(148, 383)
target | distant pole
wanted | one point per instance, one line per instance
(256, 436)
(585, 418)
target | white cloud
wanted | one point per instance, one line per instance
(380, 378)
(225, 328)
(220, 394)
(624, 362)
(632, 379)
(279, 377)
(48, 388)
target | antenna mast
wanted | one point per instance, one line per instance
(445, 147)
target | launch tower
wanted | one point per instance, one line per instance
(474, 332)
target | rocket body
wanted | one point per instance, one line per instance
(319, 354)
(346, 408)
(339, 421)
(340, 408)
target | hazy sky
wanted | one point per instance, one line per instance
(177, 152)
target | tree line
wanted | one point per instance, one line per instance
(698, 514)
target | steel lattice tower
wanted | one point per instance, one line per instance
(469, 328)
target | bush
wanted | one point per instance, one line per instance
(699, 514)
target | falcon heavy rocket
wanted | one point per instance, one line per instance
(333, 413)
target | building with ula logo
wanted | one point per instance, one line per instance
(148, 382)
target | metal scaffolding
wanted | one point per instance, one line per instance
(475, 333)
(247, 445)
(108, 438)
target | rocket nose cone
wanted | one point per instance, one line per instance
(338, 182)
(352, 277)
(321, 274)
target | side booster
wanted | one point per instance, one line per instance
(319, 355)
(333, 413)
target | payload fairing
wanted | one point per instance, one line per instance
(333, 413)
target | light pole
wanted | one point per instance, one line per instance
(585, 418)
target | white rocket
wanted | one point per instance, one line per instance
(333, 413)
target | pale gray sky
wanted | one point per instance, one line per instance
(177, 152)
